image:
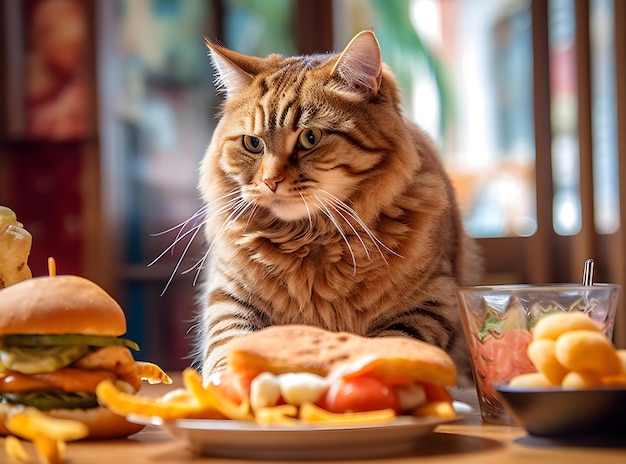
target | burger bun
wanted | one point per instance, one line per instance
(64, 304)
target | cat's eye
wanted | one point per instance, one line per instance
(308, 138)
(253, 144)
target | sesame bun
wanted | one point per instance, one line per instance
(62, 304)
(102, 423)
(302, 348)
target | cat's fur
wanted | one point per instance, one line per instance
(359, 233)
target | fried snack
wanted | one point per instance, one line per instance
(552, 326)
(152, 373)
(532, 380)
(442, 409)
(211, 398)
(285, 414)
(541, 352)
(123, 404)
(586, 350)
(312, 413)
(570, 351)
(581, 380)
(15, 449)
(31, 423)
(183, 403)
(15, 245)
(48, 434)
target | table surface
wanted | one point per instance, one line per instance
(468, 440)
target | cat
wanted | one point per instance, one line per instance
(325, 205)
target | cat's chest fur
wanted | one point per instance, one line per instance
(330, 270)
(322, 282)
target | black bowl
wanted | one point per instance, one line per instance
(567, 413)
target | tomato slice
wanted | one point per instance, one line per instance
(357, 395)
(436, 393)
(233, 385)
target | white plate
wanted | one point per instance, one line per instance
(248, 440)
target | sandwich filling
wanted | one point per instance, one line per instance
(365, 392)
(337, 371)
(63, 370)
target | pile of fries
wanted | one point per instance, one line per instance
(197, 401)
(48, 435)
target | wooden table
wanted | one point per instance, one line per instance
(464, 442)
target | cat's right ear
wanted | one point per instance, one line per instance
(233, 71)
(360, 65)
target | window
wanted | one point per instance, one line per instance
(466, 68)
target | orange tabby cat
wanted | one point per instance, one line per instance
(326, 206)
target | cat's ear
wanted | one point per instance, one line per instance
(360, 64)
(234, 71)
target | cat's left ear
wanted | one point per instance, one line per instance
(234, 71)
(360, 64)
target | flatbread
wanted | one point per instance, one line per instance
(302, 348)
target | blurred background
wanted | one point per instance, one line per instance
(107, 107)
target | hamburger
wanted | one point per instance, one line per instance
(336, 371)
(59, 338)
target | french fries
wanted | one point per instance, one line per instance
(49, 435)
(196, 400)
(285, 414)
(152, 373)
(123, 404)
(15, 449)
(313, 414)
(31, 423)
(441, 409)
(211, 397)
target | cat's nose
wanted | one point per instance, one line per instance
(273, 183)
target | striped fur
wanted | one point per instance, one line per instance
(359, 233)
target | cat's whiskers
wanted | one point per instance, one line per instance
(200, 213)
(179, 237)
(255, 206)
(346, 213)
(324, 209)
(182, 256)
(353, 214)
(308, 212)
(200, 218)
(239, 208)
(181, 226)
(336, 208)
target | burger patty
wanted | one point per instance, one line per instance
(72, 386)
